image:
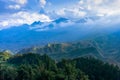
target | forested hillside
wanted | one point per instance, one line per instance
(41, 67)
(66, 50)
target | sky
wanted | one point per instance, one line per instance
(18, 12)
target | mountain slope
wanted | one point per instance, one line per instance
(38, 33)
(102, 46)
(66, 50)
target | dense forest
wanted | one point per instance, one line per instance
(41, 67)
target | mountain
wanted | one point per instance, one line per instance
(103, 46)
(39, 33)
(83, 20)
(41, 26)
(41, 67)
(36, 23)
(57, 31)
(110, 45)
(5, 55)
(59, 20)
(67, 50)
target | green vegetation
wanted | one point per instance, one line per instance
(4, 55)
(42, 67)
(66, 50)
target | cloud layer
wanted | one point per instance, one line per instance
(92, 8)
(42, 3)
(22, 18)
(19, 12)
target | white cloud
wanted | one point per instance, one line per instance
(42, 3)
(21, 2)
(71, 13)
(107, 10)
(4, 23)
(14, 6)
(20, 18)
(104, 7)
(91, 8)
(61, 12)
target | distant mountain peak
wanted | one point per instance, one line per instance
(83, 20)
(61, 19)
(36, 23)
